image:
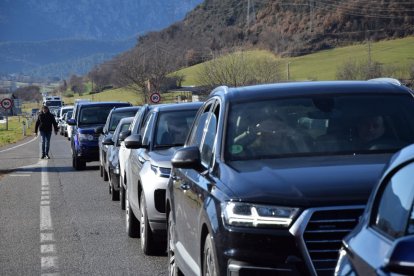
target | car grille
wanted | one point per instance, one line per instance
(323, 236)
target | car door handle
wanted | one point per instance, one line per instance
(184, 187)
(141, 160)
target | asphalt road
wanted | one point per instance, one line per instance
(58, 221)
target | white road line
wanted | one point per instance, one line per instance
(48, 251)
(20, 175)
(18, 145)
(45, 218)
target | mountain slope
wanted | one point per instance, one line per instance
(291, 28)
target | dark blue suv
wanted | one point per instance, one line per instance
(84, 141)
(272, 177)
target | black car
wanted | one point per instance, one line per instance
(113, 143)
(383, 241)
(84, 141)
(272, 177)
(116, 114)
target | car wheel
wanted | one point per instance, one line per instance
(209, 258)
(77, 163)
(172, 265)
(105, 174)
(147, 243)
(132, 223)
(122, 196)
(114, 194)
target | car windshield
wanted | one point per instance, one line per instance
(94, 115)
(117, 116)
(320, 125)
(172, 128)
(53, 103)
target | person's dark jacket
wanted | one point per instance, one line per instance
(45, 121)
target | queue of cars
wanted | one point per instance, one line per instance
(269, 179)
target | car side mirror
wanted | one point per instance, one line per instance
(133, 141)
(123, 135)
(71, 122)
(187, 158)
(108, 141)
(98, 130)
(401, 257)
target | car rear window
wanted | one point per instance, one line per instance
(90, 115)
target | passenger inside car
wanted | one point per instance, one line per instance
(176, 130)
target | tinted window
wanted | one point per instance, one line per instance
(94, 114)
(146, 129)
(208, 143)
(117, 116)
(172, 127)
(319, 125)
(396, 204)
(135, 123)
(197, 132)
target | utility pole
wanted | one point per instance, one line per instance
(311, 14)
(250, 10)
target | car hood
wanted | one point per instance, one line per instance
(301, 182)
(162, 158)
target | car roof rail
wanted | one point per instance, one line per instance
(388, 80)
(222, 88)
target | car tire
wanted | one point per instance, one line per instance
(209, 257)
(114, 194)
(132, 223)
(147, 242)
(122, 196)
(105, 174)
(78, 164)
(172, 265)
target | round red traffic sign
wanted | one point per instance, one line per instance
(155, 98)
(6, 103)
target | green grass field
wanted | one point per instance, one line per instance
(14, 132)
(324, 64)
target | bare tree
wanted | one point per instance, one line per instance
(363, 70)
(76, 84)
(145, 70)
(236, 69)
(100, 77)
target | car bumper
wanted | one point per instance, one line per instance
(266, 253)
(88, 153)
(154, 188)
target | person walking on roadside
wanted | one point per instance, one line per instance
(44, 124)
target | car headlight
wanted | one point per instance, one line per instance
(160, 171)
(85, 137)
(255, 215)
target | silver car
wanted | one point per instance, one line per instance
(164, 129)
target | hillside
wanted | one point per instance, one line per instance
(323, 65)
(285, 28)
